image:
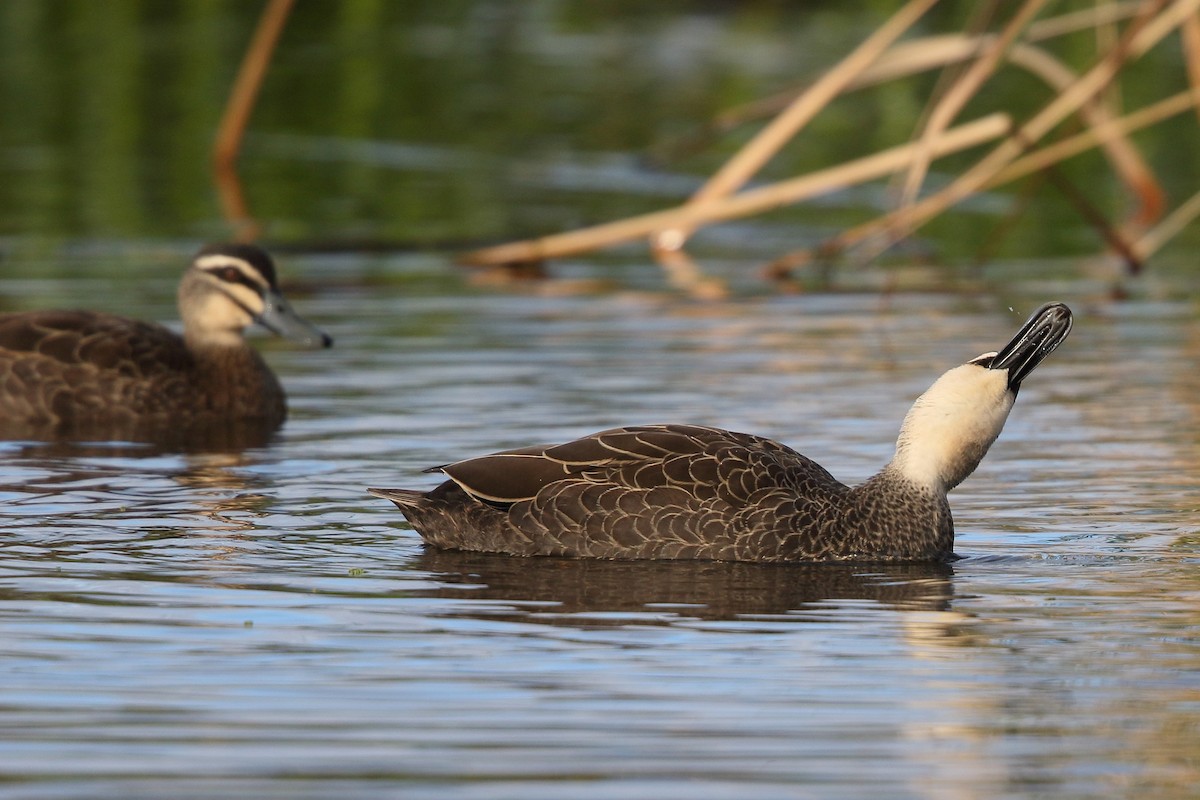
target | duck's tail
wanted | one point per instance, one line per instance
(403, 498)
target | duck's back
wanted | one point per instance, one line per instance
(69, 367)
(655, 491)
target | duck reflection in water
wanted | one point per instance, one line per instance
(558, 590)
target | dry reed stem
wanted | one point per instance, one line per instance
(746, 203)
(900, 61)
(1075, 21)
(1096, 136)
(1143, 33)
(921, 55)
(1095, 217)
(760, 149)
(1177, 220)
(903, 59)
(1122, 155)
(1190, 32)
(237, 114)
(1124, 158)
(1001, 165)
(1048, 156)
(908, 57)
(962, 90)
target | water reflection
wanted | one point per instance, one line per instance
(148, 437)
(71, 492)
(591, 592)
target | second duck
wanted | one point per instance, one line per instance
(67, 371)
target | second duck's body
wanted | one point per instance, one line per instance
(80, 366)
(83, 369)
(691, 492)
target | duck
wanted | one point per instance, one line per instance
(74, 369)
(692, 492)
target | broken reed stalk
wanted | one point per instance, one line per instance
(1122, 155)
(760, 149)
(1096, 136)
(1143, 33)
(962, 90)
(904, 59)
(921, 55)
(1176, 221)
(746, 203)
(1039, 160)
(1094, 217)
(1190, 32)
(1075, 21)
(982, 69)
(907, 58)
(1004, 163)
(1125, 159)
(241, 102)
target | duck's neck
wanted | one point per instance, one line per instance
(894, 517)
(235, 381)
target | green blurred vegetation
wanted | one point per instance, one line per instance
(455, 121)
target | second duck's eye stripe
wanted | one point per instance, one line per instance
(230, 274)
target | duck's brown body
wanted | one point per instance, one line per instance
(692, 492)
(676, 492)
(90, 374)
(69, 368)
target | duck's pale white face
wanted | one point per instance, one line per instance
(220, 297)
(951, 426)
(225, 291)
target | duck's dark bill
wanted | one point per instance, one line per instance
(279, 318)
(1038, 338)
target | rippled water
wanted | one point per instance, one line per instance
(252, 624)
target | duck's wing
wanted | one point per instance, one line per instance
(58, 365)
(645, 492)
(92, 339)
(652, 491)
(703, 462)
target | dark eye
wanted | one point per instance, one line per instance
(231, 274)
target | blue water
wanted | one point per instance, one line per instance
(252, 624)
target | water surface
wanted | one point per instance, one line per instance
(252, 624)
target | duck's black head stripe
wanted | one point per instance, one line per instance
(256, 257)
(231, 274)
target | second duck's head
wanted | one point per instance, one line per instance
(951, 426)
(227, 288)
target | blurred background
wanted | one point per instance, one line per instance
(433, 127)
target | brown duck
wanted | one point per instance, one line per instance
(67, 370)
(693, 492)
